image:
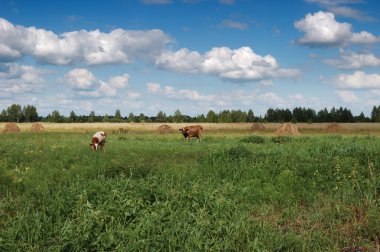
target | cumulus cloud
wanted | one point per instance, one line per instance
(16, 79)
(321, 30)
(85, 84)
(347, 96)
(80, 78)
(171, 92)
(237, 65)
(353, 60)
(86, 47)
(119, 81)
(357, 80)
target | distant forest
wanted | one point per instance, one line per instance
(17, 113)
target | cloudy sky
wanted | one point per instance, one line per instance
(193, 55)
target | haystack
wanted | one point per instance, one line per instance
(37, 127)
(257, 127)
(165, 129)
(288, 129)
(11, 128)
(333, 128)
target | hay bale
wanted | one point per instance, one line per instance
(288, 129)
(257, 127)
(165, 129)
(37, 127)
(11, 128)
(333, 128)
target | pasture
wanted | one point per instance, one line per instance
(234, 191)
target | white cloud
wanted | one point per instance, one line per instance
(85, 93)
(357, 80)
(153, 87)
(85, 47)
(347, 96)
(80, 78)
(85, 84)
(340, 8)
(226, 100)
(233, 25)
(353, 60)
(132, 95)
(7, 54)
(321, 29)
(119, 81)
(107, 89)
(16, 79)
(237, 65)
(181, 61)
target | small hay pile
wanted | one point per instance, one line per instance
(288, 129)
(37, 127)
(165, 129)
(11, 128)
(257, 127)
(333, 128)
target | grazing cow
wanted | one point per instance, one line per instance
(192, 131)
(98, 140)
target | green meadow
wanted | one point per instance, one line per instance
(230, 192)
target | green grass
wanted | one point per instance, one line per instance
(158, 192)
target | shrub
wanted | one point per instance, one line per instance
(254, 139)
(281, 139)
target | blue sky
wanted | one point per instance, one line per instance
(193, 55)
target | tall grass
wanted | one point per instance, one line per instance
(154, 192)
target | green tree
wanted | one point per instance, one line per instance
(131, 117)
(212, 117)
(91, 117)
(3, 116)
(117, 114)
(106, 118)
(375, 114)
(72, 116)
(177, 117)
(141, 118)
(225, 117)
(30, 113)
(14, 113)
(200, 118)
(161, 117)
(250, 116)
(56, 117)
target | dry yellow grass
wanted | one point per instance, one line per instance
(243, 128)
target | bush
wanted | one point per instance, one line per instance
(281, 139)
(254, 139)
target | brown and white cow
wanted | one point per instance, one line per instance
(98, 140)
(192, 131)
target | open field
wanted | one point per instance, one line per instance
(234, 191)
(243, 128)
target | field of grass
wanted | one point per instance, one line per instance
(231, 192)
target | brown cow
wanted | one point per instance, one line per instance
(192, 131)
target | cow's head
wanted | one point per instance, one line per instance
(95, 143)
(184, 132)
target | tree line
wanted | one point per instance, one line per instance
(28, 113)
